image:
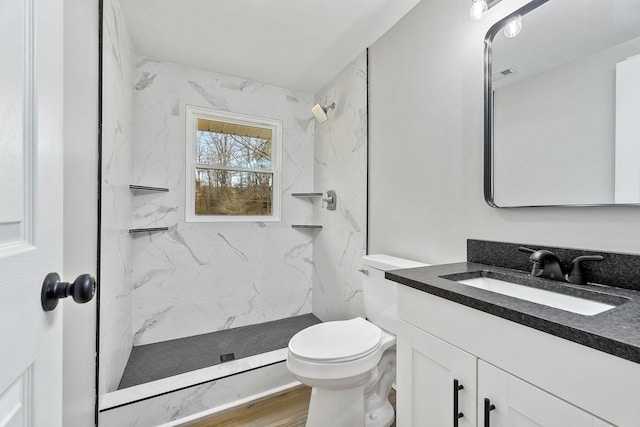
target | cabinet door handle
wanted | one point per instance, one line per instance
(456, 415)
(488, 407)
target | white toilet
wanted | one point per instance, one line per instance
(350, 364)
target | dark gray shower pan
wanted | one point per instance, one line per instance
(155, 361)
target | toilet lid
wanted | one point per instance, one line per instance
(341, 340)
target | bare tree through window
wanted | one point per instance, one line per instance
(233, 169)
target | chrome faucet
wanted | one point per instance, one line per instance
(546, 264)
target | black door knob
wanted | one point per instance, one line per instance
(82, 290)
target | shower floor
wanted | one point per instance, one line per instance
(155, 361)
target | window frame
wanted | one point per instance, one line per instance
(192, 114)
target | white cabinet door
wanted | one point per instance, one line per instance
(30, 210)
(506, 401)
(427, 370)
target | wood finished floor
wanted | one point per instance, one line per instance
(286, 409)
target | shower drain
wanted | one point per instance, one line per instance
(227, 357)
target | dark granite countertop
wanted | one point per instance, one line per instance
(616, 331)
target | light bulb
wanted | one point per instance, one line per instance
(478, 9)
(513, 27)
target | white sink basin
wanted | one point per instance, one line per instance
(540, 296)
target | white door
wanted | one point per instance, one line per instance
(436, 381)
(30, 210)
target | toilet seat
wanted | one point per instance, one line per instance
(314, 363)
(337, 341)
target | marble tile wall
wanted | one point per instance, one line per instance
(202, 277)
(341, 164)
(116, 286)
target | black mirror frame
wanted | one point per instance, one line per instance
(488, 115)
(488, 104)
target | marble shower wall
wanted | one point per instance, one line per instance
(202, 277)
(116, 286)
(341, 165)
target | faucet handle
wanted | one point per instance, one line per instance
(525, 249)
(575, 276)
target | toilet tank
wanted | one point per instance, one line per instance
(380, 294)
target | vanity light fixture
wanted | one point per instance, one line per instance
(321, 112)
(513, 27)
(479, 8)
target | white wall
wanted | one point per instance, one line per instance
(80, 205)
(116, 252)
(203, 277)
(341, 165)
(426, 149)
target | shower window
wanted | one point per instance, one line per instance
(233, 167)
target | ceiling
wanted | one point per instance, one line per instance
(296, 44)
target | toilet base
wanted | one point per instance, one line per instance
(381, 417)
(378, 409)
(346, 408)
(365, 403)
(336, 408)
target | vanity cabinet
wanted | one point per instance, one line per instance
(507, 401)
(436, 381)
(441, 385)
(533, 378)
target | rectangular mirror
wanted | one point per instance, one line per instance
(562, 105)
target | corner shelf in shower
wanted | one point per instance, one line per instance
(147, 188)
(147, 230)
(307, 226)
(133, 187)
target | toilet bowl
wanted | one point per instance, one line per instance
(350, 364)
